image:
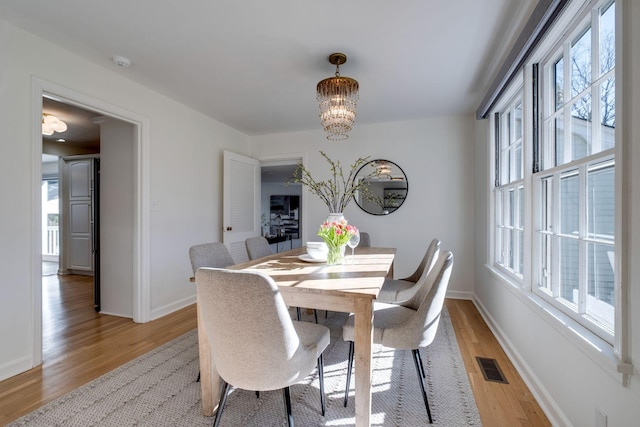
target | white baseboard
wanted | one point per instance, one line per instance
(170, 308)
(15, 367)
(460, 295)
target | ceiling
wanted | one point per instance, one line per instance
(81, 131)
(254, 64)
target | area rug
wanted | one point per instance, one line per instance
(160, 389)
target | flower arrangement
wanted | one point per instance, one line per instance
(338, 191)
(336, 234)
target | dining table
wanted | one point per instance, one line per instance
(350, 287)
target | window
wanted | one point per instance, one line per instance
(575, 189)
(509, 191)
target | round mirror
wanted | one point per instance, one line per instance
(384, 188)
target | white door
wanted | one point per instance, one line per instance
(241, 203)
(79, 178)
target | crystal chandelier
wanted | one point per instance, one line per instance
(337, 97)
(51, 123)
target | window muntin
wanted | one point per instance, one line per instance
(575, 197)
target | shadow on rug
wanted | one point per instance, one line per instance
(159, 389)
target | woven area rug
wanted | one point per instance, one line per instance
(159, 389)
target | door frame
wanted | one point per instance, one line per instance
(141, 233)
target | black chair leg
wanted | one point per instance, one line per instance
(421, 364)
(418, 363)
(349, 366)
(287, 406)
(223, 400)
(299, 313)
(315, 314)
(321, 380)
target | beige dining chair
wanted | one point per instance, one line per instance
(408, 326)
(254, 343)
(398, 290)
(365, 240)
(213, 254)
(257, 247)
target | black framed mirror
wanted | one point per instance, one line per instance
(385, 187)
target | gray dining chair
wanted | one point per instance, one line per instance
(410, 325)
(257, 247)
(365, 240)
(254, 343)
(398, 290)
(213, 254)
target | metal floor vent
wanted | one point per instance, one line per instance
(491, 371)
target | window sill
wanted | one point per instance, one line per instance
(598, 350)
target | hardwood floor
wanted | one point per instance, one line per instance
(80, 345)
(499, 404)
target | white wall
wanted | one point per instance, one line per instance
(570, 378)
(184, 181)
(437, 157)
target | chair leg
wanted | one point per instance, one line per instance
(223, 400)
(315, 314)
(321, 380)
(421, 364)
(349, 366)
(299, 313)
(287, 406)
(418, 363)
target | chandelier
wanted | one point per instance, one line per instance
(51, 123)
(337, 97)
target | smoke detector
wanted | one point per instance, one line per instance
(121, 61)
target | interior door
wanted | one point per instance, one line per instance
(241, 202)
(80, 208)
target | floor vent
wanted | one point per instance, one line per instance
(490, 370)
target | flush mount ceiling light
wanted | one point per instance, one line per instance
(51, 123)
(337, 97)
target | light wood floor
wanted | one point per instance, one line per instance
(80, 345)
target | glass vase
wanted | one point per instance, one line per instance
(335, 255)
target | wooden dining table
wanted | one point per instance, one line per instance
(350, 287)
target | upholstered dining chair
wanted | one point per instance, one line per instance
(254, 343)
(257, 247)
(398, 290)
(213, 254)
(365, 240)
(408, 326)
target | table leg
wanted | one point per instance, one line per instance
(363, 345)
(209, 378)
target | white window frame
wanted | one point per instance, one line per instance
(509, 234)
(611, 355)
(588, 20)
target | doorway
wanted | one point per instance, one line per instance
(281, 221)
(134, 148)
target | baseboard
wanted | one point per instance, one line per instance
(170, 308)
(15, 367)
(547, 403)
(460, 295)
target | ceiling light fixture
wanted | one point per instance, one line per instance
(337, 97)
(51, 123)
